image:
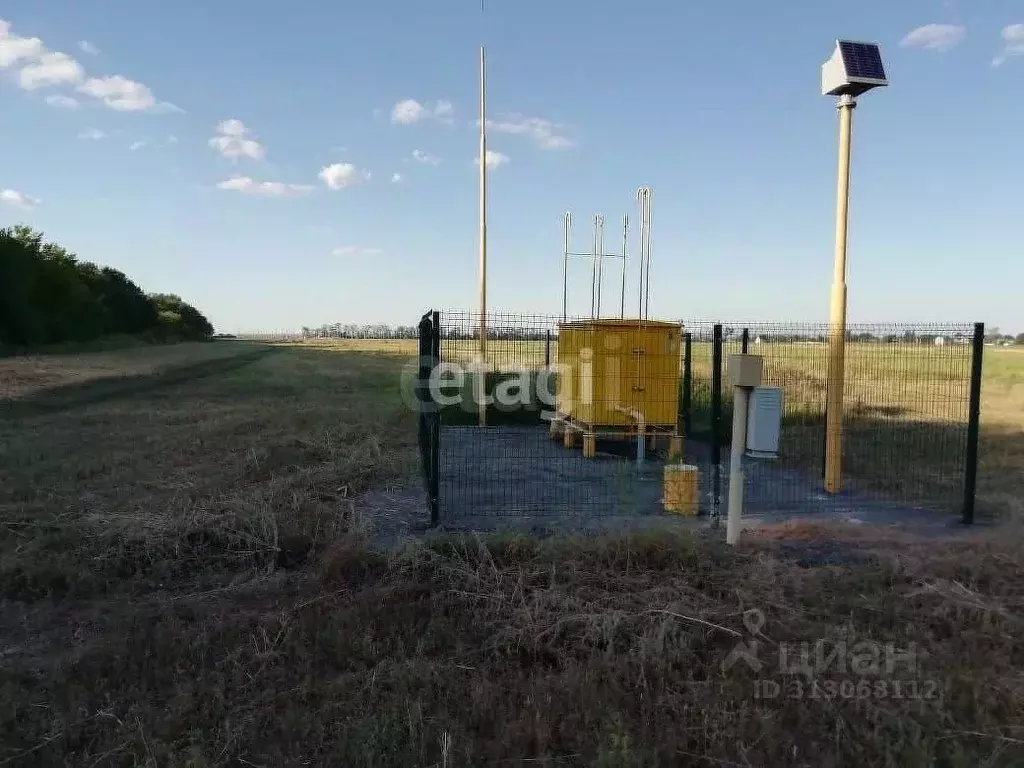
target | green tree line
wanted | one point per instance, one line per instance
(49, 296)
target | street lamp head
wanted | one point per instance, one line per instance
(853, 69)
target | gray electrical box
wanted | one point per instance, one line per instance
(764, 422)
(745, 370)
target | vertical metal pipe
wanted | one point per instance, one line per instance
(593, 277)
(547, 348)
(647, 268)
(483, 238)
(600, 260)
(641, 441)
(625, 246)
(567, 222)
(643, 225)
(745, 343)
(837, 339)
(643, 198)
(973, 424)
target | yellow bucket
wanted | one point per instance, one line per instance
(681, 489)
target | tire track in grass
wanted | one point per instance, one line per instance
(120, 387)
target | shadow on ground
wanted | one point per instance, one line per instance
(912, 463)
(117, 387)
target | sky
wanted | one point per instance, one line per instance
(286, 165)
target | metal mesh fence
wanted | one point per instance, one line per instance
(905, 413)
(568, 409)
(581, 417)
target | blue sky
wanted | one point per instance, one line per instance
(715, 106)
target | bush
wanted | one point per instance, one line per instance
(48, 296)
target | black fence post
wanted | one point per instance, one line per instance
(687, 383)
(716, 418)
(547, 348)
(973, 424)
(746, 341)
(422, 394)
(435, 424)
(435, 347)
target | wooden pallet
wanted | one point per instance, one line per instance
(573, 432)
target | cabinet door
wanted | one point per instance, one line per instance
(663, 378)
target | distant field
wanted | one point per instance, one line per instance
(913, 380)
(187, 578)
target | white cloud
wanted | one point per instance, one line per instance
(232, 127)
(1013, 43)
(934, 37)
(341, 175)
(425, 157)
(63, 102)
(444, 111)
(548, 135)
(172, 139)
(396, 178)
(91, 133)
(124, 95)
(137, 145)
(14, 49)
(249, 186)
(86, 47)
(233, 141)
(41, 67)
(18, 199)
(356, 250)
(410, 111)
(165, 108)
(494, 159)
(53, 68)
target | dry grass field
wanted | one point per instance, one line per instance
(187, 579)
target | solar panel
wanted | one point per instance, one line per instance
(862, 60)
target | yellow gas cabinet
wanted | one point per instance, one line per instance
(619, 377)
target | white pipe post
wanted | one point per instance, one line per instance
(741, 397)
